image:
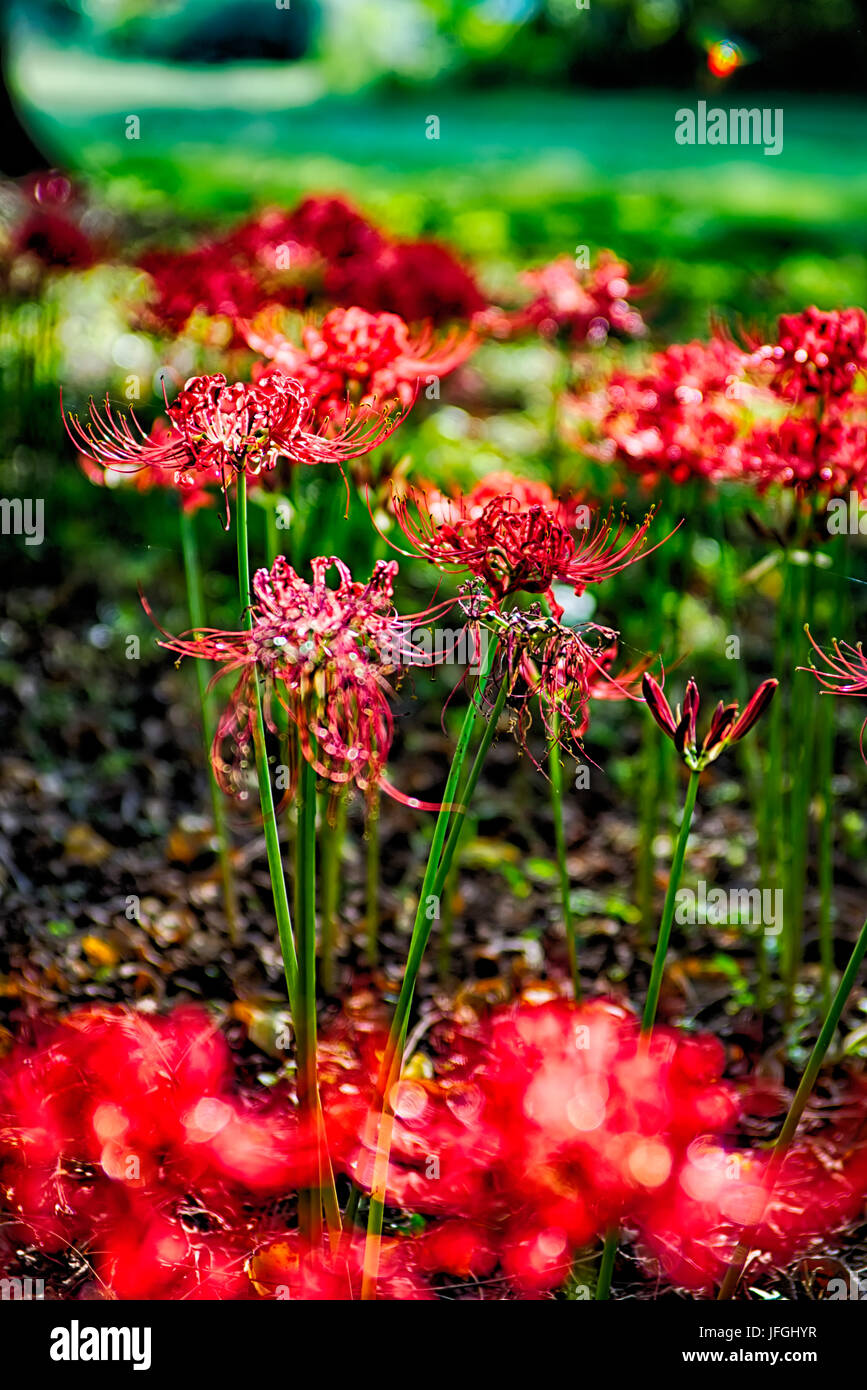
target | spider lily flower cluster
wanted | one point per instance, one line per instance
(728, 724)
(132, 1140)
(787, 413)
(553, 1124)
(220, 429)
(354, 354)
(326, 655)
(516, 544)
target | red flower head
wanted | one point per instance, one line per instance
(207, 280)
(326, 655)
(50, 230)
(419, 280)
(727, 726)
(334, 229)
(117, 1125)
(548, 1122)
(583, 304)
(372, 356)
(843, 673)
(518, 546)
(216, 427)
(677, 418)
(818, 353)
(825, 455)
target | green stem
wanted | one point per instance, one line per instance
(266, 795)
(648, 817)
(467, 790)
(195, 598)
(310, 1202)
(555, 768)
(649, 1016)
(272, 539)
(331, 843)
(656, 973)
(796, 1109)
(371, 834)
(426, 913)
(606, 1267)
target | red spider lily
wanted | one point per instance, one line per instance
(291, 1269)
(727, 725)
(332, 228)
(262, 258)
(844, 673)
(584, 305)
(826, 454)
(126, 1132)
(817, 353)
(541, 1126)
(419, 280)
(51, 231)
(206, 281)
(54, 240)
(692, 1233)
(520, 548)
(677, 419)
(273, 245)
(218, 428)
(371, 355)
(325, 655)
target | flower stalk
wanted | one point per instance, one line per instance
(195, 600)
(426, 912)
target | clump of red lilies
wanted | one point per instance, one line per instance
(326, 655)
(353, 354)
(126, 1138)
(785, 411)
(221, 429)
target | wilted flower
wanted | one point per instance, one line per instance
(727, 725)
(556, 670)
(325, 655)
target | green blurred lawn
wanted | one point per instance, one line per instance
(515, 177)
